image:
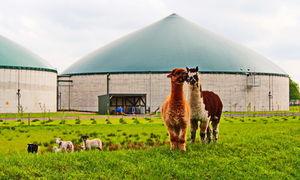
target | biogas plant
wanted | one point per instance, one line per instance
(27, 82)
(131, 73)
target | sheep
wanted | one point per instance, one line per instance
(56, 149)
(32, 148)
(89, 144)
(66, 146)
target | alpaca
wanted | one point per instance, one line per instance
(65, 145)
(89, 144)
(206, 107)
(176, 111)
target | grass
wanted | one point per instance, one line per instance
(293, 109)
(249, 148)
(47, 115)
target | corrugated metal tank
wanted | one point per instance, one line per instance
(138, 63)
(27, 82)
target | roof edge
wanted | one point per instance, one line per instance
(163, 72)
(28, 68)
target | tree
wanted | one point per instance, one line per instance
(294, 90)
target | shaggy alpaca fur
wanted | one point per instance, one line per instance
(206, 107)
(65, 145)
(176, 111)
(89, 144)
(214, 106)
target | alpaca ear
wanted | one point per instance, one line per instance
(197, 69)
(171, 74)
(187, 69)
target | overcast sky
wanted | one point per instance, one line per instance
(63, 31)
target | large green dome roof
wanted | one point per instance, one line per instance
(169, 43)
(14, 56)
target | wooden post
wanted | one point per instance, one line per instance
(28, 119)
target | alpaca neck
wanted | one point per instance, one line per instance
(177, 92)
(195, 96)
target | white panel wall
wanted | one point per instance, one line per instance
(232, 88)
(37, 89)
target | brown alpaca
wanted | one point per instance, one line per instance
(206, 107)
(176, 110)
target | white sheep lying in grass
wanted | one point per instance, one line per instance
(89, 144)
(56, 149)
(65, 145)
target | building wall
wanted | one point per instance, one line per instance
(37, 90)
(235, 90)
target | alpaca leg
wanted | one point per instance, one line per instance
(208, 133)
(173, 139)
(194, 127)
(215, 126)
(203, 128)
(182, 137)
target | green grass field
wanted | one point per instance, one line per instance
(248, 148)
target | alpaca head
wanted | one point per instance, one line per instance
(193, 78)
(178, 75)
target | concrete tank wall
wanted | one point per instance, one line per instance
(238, 92)
(38, 91)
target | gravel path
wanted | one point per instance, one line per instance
(110, 117)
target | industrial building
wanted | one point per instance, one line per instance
(131, 72)
(27, 82)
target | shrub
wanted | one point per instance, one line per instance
(122, 121)
(49, 121)
(93, 134)
(111, 134)
(136, 121)
(62, 121)
(149, 142)
(144, 134)
(108, 121)
(52, 142)
(77, 121)
(23, 131)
